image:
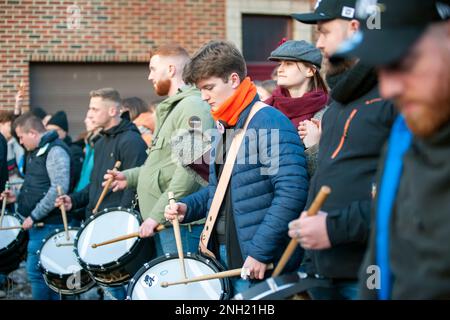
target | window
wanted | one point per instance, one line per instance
(261, 34)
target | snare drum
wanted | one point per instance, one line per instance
(59, 265)
(13, 243)
(146, 284)
(116, 263)
(283, 287)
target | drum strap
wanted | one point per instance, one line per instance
(224, 180)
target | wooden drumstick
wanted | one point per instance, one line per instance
(37, 225)
(4, 205)
(313, 209)
(124, 237)
(106, 188)
(176, 230)
(219, 275)
(63, 213)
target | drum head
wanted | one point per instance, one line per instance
(8, 236)
(103, 227)
(147, 285)
(57, 256)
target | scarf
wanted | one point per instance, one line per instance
(298, 109)
(399, 143)
(230, 110)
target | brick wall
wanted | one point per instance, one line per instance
(108, 30)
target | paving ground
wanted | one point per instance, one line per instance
(20, 288)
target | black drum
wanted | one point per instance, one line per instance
(146, 283)
(13, 243)
(116, 263)
(59, 265)
(283, 287)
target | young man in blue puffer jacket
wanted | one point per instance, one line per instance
(269, 181)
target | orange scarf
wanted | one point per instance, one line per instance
(230, 110)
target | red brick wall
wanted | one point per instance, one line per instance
(110, 30)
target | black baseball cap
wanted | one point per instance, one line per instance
(328, 10)
(401, 24)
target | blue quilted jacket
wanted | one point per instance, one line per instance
(269, 185)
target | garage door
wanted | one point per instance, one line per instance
(66, 86)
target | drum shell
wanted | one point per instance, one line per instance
(12, 255)
(120, 271)
(282, 287)
(213, 263)
(58, 282)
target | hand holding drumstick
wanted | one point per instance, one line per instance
(311, 213)
(106, 188)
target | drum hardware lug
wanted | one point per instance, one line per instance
(302, 275)
(146, 265)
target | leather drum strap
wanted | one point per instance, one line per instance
(224, 181)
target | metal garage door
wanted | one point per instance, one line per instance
(66, 86)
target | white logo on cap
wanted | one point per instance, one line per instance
(366, 8)
(348, 12)
(317, 4)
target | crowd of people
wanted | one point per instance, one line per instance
(363, 111)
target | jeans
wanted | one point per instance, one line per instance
(341, 290)
(118, 293)
(238, 284)
(39, 289)
(190, 238)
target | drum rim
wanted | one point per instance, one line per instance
(170, 256)
(279, 281)
(9, 246)
(39, 251)
(102, 267)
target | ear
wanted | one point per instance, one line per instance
(310, 72)
(235, 80)
(113, 111)
(353, 27)
(172, 69)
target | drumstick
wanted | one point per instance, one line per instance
(124, 237)
(37, 225)
(313, 209)
(63, 213)
(4, 205)
(106, 188)
(176, 230)
(219, 275)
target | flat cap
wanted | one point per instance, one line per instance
(294, 50)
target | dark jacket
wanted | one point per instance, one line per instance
(419, 234)
(120, 143)
(354, 129)
(263, 200)
(76, 158)
(37, 181)
(3, 162)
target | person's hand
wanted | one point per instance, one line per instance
(27, 223)
(147, 228)
(65, 200)
(119, 180)
(253, 268)
(9, 195)
(175, 210)
(310, 132)
(311, 231)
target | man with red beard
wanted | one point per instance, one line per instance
(181, 111)
(409, 249)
